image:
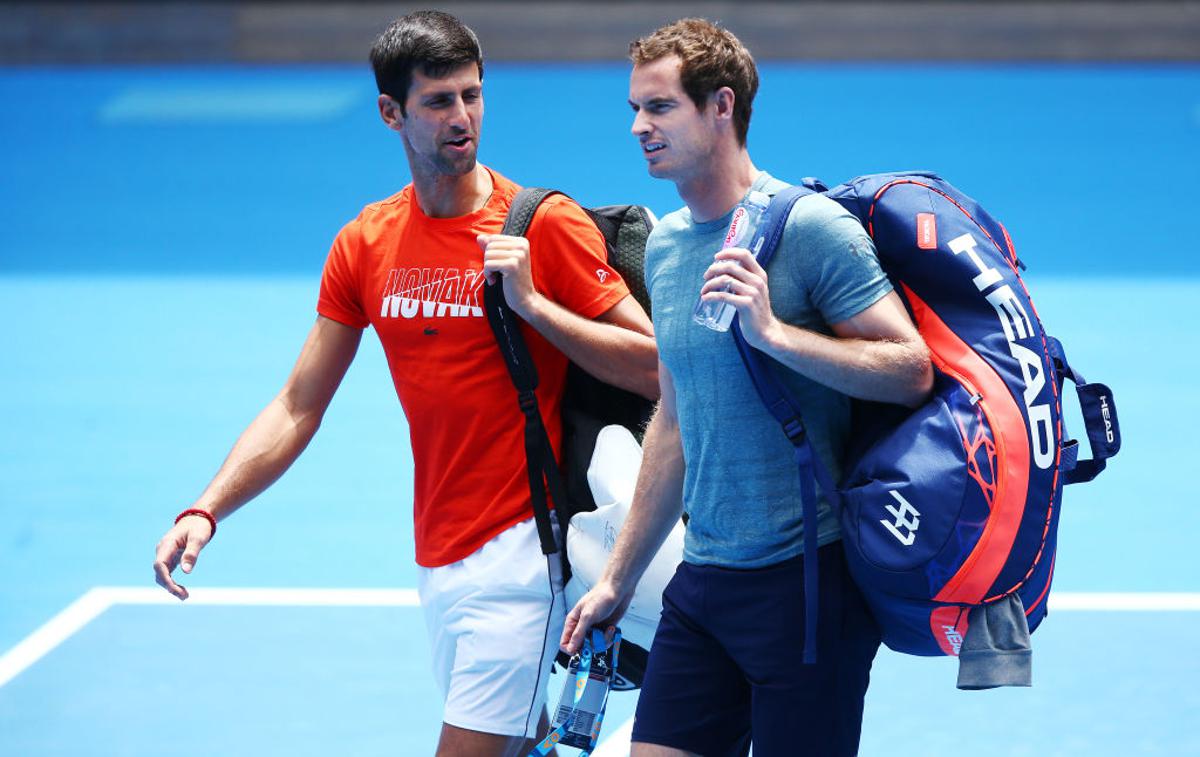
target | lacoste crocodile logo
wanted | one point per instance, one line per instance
(430, 331)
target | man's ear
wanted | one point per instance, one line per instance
(389, 111)
(722, 101)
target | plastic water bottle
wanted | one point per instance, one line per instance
(747, 218)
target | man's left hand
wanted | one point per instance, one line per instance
(736, 269)
(509, 257)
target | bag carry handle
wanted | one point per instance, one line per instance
(1099, 421)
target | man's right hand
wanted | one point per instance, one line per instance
(602, 606)
(180, 547)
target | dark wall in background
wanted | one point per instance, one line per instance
(165, 32)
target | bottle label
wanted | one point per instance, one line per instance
(737, 227)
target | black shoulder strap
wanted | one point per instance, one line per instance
(504, 322)
(539, 454)
(524, 205)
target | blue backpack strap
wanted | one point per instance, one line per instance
(1099, 420)
(813, 183)
(784, 408)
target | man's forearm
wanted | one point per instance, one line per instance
(267, 448)
(614, 354)
(883, 370)
(657, 504)
(273, 441)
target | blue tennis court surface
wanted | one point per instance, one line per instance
(161, 247)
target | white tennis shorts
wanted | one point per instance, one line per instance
(494, 622)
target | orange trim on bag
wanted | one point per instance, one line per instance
(955, 358)
(949, 627)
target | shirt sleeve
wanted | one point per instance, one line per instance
(340, 298)
(838, 264)
(570, 260)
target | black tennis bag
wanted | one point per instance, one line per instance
(588, 404)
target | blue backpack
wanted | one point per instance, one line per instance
(956, 504)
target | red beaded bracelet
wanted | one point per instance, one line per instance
(202, 513)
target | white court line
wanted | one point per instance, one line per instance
(55, 631)
(617, 742)
(95, 601)
(152, 595)
(1126, 601)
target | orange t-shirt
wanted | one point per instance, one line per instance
(418, 281)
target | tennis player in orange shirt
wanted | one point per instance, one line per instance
(413, 266)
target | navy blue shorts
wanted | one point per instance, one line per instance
(726, 664)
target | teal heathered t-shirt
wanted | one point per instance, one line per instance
(741, 486)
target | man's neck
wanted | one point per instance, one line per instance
(719, 186)
(442, 196)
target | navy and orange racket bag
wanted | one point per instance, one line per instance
(956, 504)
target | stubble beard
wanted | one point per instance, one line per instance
(440, 164)
(455, 166)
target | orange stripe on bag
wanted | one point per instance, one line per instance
(953, 356)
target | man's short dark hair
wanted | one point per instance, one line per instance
(711, 58)
(432, 42)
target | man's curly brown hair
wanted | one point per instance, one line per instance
(711, 58)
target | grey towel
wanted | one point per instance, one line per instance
(996, 650)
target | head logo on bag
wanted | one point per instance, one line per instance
(908, 520)
(956, 505)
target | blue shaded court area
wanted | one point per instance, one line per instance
(163, 234)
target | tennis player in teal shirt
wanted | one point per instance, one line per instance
(726, 669)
